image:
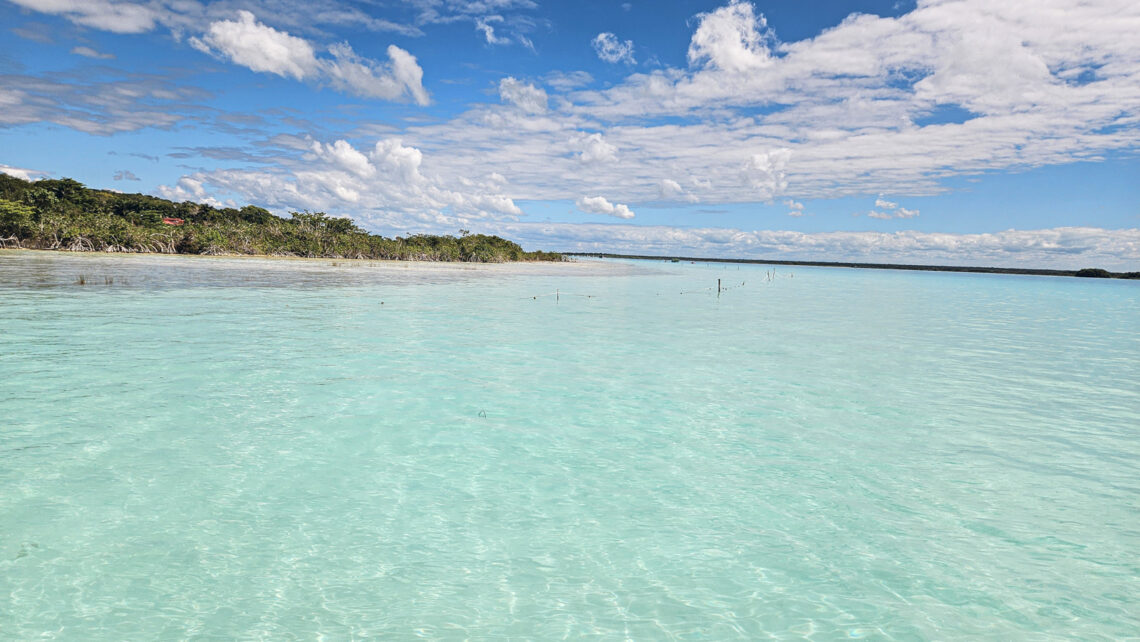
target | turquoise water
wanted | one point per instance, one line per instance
(222, 448)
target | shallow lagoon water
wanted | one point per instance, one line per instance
(236, 448)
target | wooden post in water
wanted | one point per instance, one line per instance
(718, 287)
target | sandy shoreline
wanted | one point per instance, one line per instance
(302, 261)
(50, 268)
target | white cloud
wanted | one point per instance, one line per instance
(399, 160)
(119, 17)
(1058, 248)
(862, 120)
(88, 52)
(854, 115)
(599, 205)
(873, 139)
(500, 22)
(354, 74)
(889, 209)
(188, 188)
(670, 190)
(593, 148)
(261, 48)
(194, 16)
(383, 186)
(344, 156)
(11, 98)
(249, 43)
(567, 80)
(125, 175)
(22, 173)
(766, 172)
(795, 208)
(731, 38)
(525, 96)
(101, 101)
(484, 24)
(612, 50)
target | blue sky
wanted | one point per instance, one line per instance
(956, 131)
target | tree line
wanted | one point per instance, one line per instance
(63, 214)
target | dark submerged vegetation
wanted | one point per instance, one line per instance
(63, 214)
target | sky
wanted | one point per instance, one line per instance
(965, 132)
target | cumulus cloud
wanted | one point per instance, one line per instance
(766, 172)
(795, 208)
(1074, 98)
(670, 190)
(599, 205)
(88, 52)
(857, 117)
(593, 148)
(261, 48)
(612, 50)
(1031, 84)
(385, 185)
(889, 209)
(188, 188)
(342, 155)
(731, 38)
(249, 43)
(525, 96)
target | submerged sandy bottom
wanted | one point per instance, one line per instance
(37, 268)
(250, 448)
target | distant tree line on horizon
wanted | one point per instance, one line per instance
(63, 214)
(1086, 272)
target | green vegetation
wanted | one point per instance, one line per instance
(65, 215)
(1094, 273)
